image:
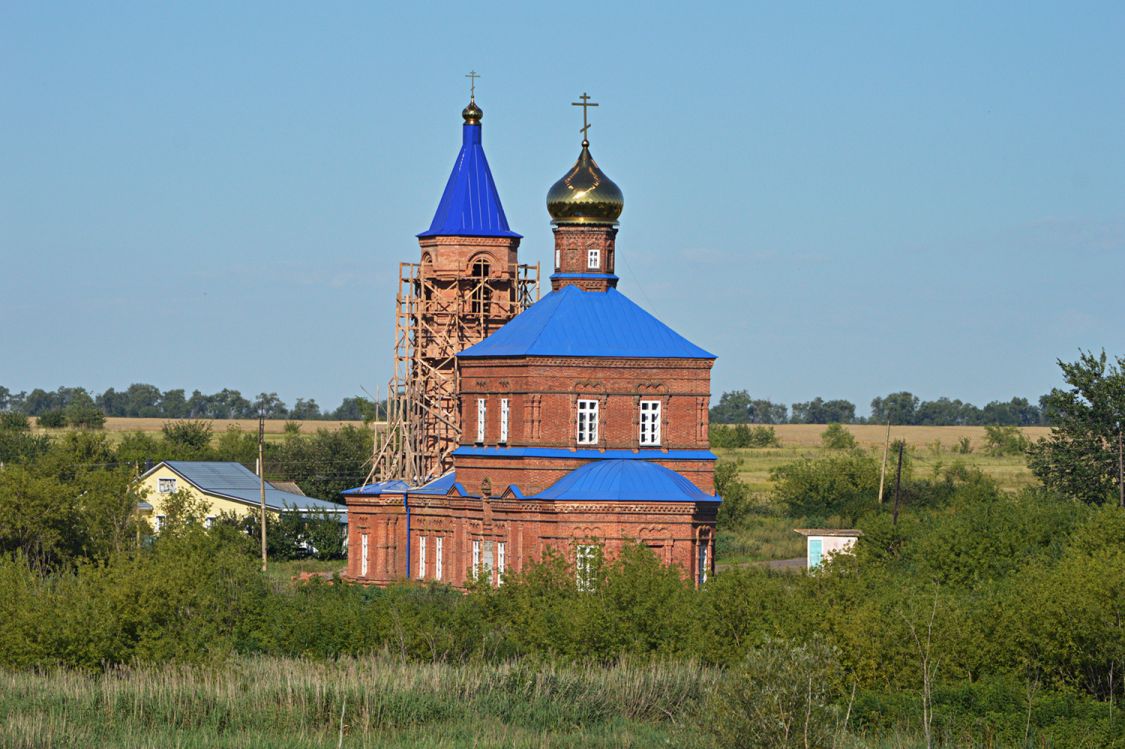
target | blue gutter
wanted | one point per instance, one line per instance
(406, 506)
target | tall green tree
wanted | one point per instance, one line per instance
(1082, 456)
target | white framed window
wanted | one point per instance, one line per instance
(504, 411)
(363, 555)
(584, 557)
(166, 486)
(501, 561)
(488, 559)
(558, 259)
(704, 558)
(594, 259)
(160, 522)
(650, 422)
(421, 557)
(208, 521)
(482, 411)
(438, 542)
(476, 558)
(587, 422)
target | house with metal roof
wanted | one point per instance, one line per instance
(223, 487)
(582, 421)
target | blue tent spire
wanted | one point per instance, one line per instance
(470, 205)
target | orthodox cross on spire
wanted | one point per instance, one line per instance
(585, 104)
(472, 76)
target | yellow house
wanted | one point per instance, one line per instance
(225, 487)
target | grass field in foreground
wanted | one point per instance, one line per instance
(293, 704)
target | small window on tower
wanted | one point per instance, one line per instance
(587, 422)
(558, 259)
(594, 259)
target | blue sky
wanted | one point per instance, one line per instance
(838, 200)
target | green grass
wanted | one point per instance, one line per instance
(267, 703)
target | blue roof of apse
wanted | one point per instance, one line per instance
(573, 322)
(470, 205)
(625, 480)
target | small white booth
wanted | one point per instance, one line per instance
(821, 542)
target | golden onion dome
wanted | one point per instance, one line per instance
(472, 113)
(585, 195)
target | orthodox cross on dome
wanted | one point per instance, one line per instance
(472, 76)
(585, 104)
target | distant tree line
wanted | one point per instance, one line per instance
(902, 408)
(75, 406)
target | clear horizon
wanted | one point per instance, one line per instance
(841, 203)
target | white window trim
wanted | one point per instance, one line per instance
(208, 522)
(482, 413)
(438, 542)
(421, 557)
(166, 485)
(476, 558)
(593, 259)
(363, 555)
(588, 416)
(505, 411)
(584, 555)
(501, 562)
(704, 559)
(160, 522)
(652, 410)
(558, 259)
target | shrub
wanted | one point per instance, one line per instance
(188, 439)
(1005, 440)
(84, 416)
(743, 435)
(964, 446)
(14, 421)
(836, 437)
(735, 494)
(782, 695)
(55, 419)
(844, 484)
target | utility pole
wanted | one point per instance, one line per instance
(262, 480)
(883, 470)
(898, 482)
(1120, 470)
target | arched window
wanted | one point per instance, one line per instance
(480, 295)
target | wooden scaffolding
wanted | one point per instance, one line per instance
(437, 317)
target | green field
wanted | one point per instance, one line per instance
(769, 535)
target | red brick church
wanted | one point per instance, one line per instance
(583, 420)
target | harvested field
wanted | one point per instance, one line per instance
(273, 426)
(808, 435)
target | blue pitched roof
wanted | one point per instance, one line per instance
(625, 480)
(236, 481)
(573, 322)
(439, 486)
(470, 205)
(393, 485)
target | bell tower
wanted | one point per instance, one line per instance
(466, 285)
(584, 206)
